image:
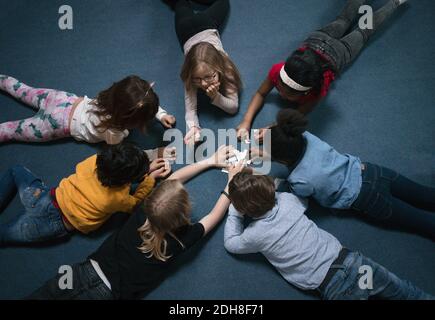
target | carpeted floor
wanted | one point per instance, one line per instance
(381, 108)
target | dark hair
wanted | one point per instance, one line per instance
(252, 195)
(120, 164)
(127, 104)
(305, 67)
(287, 142)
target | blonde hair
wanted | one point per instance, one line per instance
(167, 208)
(204, 52)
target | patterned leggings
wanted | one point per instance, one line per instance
(49, 123)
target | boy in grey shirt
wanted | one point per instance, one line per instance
(306, 256)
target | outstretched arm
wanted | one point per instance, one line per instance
(216, 160)
(255, 105)
(221, 206)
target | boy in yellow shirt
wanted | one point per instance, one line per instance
(100, 187)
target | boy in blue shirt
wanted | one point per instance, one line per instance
(306, 256)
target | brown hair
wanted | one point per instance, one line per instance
(167, 208)
(252, 195)
(206, 53)
(127, 104)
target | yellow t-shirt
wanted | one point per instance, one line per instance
(87, 204)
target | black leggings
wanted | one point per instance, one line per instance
(188, 23)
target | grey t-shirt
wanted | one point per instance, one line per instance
(300, 251)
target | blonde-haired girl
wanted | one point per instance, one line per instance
(207, 66)
(137, 257)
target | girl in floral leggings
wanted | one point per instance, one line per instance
(127, 104)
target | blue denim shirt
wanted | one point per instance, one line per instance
(332, 178)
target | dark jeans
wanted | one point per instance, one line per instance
(188, 23)
(346, 282)
(390, 197)
(86, 285)
(40, 220)
(343, 49)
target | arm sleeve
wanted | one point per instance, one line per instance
(115, 136)
(301, 188)
(160, 113)
(191, 103)
(274, 72)
(194, 234)
(236, 239)
(144, 188)
(152, 153)
(228, 104)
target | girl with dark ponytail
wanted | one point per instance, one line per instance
(305, 77)
(342, 181)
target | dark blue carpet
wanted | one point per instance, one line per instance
(381, 109)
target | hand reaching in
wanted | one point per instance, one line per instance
(168, 121)
(159, 168)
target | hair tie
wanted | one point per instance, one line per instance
(328, 77)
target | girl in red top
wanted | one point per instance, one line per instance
(305, 77)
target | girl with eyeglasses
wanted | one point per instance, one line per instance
(207, 66)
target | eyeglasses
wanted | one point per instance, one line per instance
(207, 79)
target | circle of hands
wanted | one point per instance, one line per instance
(160, 168)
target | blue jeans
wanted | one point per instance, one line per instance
(40, 220)
(350, 283)
(391, 198)
(86, 285)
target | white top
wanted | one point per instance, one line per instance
(210, 35)
(84, 125)
(229, 103)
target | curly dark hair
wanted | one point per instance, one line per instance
(305, 67)
(287, 142)
(120, 164)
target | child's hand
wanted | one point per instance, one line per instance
(213, 90)
(167, 153)
(192, 136)
(259, 134)
(243, 131)
(235, 169)
(220, 157)
(168, 121)
(159, 169)
(258, 153)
